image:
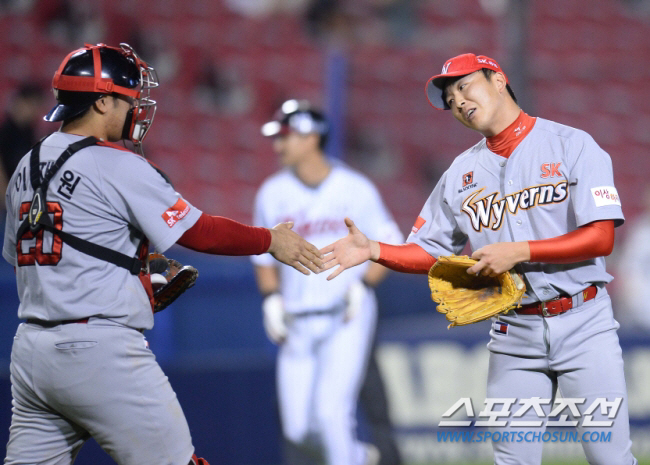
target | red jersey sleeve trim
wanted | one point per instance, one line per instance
(590, 241)
(406, 258)
(222, 236)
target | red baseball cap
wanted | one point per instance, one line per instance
(461, 65)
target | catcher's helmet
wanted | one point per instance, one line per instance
(95, 70)
(299, 116)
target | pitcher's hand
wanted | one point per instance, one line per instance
(494, 259)
(349, 251)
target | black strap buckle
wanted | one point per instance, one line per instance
(36, 211)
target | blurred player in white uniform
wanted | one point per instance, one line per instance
(538, 197)
(325, 329)
(81, 212)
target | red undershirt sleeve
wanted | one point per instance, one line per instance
(222, 236)
(593, 240)
(590, 241)
(406, 258)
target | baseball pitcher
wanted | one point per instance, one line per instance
(538, 197)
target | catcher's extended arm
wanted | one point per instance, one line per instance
(465, 298)
(169, 279)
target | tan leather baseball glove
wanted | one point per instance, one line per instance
(169, 279)
(466, 298)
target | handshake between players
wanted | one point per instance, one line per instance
(349, 251)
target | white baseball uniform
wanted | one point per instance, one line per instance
(556, 180)
(321, 364)
(72, 379)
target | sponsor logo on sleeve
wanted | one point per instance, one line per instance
(418, 224)
(176, 213)
(605, 195)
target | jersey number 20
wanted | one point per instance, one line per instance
(36, 253)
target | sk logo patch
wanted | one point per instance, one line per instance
(176, 212)
(468, 178)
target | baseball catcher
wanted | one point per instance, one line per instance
(81, 182)
(466, 298)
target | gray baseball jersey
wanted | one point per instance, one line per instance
(556, 180)
(99, 195)
(64, 376)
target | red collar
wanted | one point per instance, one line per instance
(506, 141)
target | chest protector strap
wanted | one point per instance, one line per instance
(38, 218)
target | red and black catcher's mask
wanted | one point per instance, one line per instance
(88, 73)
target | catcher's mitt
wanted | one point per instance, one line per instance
(169, 279)
(466, 298)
